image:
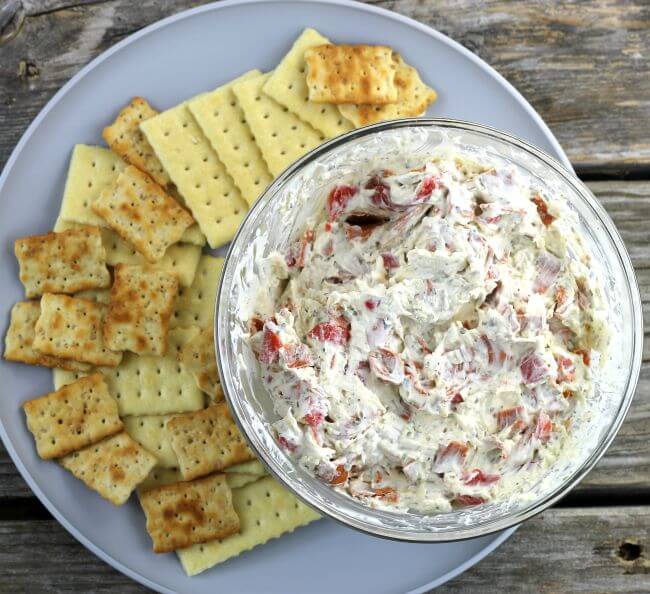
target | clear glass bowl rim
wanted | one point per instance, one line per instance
(507, 520)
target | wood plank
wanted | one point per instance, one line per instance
(625, 469)
(581, 65)
(575, 550)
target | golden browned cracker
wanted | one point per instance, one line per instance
(72, 328)
(142, 301)
(206, 441)
(413, 99)
(114, 467)
(73, 417)
(20, 336)
(266, 510)
(142, 213)
(127, 140)
(183, 514)
(65, 262)
(351, 74)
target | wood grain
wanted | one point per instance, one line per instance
(575, 550)
(583, 65)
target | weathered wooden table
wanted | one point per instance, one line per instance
(585, 66)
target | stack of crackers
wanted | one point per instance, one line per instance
(120, 297)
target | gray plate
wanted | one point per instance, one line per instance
(170, 61)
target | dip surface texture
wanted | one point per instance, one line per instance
(428, 341)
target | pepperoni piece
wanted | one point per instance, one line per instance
(387, 366)
(341, 475)
(314, 418)
(297, 355)
(454, 453)
(271, 345)
(533, 368)
(381, 194)
(467, 500)
(338, 199)
(478, 477)
(548, 268)
(544, 427)
(390, 261)
(387, 493)
(337, 331)
(286, 444)
(508, 416)
(428, 185)
(566, 370)
(542, 210)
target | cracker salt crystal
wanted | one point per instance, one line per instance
(198, 174)
(351, 74)
(265, 509)
(142, 213)
(182, 514)
(141, 304)
(127, 140)
(288, 86)
(71, 328)
(281, 135)
(113, 467)
(224, 125)
(206, 441)
(20, 336)
(73, 417)
(65, 262)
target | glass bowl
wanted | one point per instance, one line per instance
(279, 215)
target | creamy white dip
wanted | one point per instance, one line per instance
(431, 336)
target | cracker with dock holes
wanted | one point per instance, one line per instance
(281, 135)
(207, 441)
(142, 213)
(180, 259)
(127, 140)
(199, 358)
(113, 467)
(288, 86)
(413, 99)
(142, 301)
(72, 328)
(65, 262)
(150, 431)
(224, 125)
(200, 177)
(20, 336)
(73, 417)
(92, 170)
(195, 305)
(266, 510)
(183, 514)
(148, 384)
(351, 74)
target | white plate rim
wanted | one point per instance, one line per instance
(60, 94)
